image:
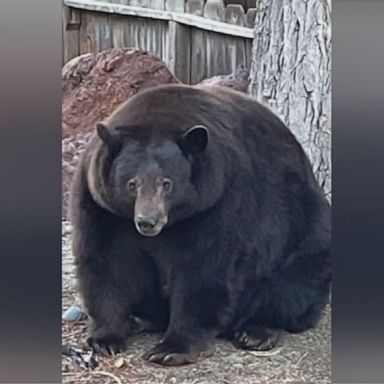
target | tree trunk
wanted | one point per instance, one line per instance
(291, 73)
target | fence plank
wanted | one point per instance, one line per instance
(250, 18)
(231, 54)
(234, 14)
(118, 25)
(236, 53)
(217, 55)
(143, 34)
(198, 55)
(164, 45)
(156, 4)
(175, 5)
(214, 9)
(85, 41)
(248, 53)
(154, 31)
(241, 54)
(179, 51)
(195, 7)
(96, 34)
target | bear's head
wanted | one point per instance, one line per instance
(159, 180)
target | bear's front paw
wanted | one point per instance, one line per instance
(168, 354)
(108, 344)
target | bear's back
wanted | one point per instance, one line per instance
(168, 110)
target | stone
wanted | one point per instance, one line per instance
(93, 85)
(237, 80)
(73, 313)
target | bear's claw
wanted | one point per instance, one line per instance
(166, 355)
(257, 339)
(108, 346)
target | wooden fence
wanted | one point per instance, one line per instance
(195, 38)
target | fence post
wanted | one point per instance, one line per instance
(71, 30)
(179, 51)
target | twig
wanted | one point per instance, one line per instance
(273, 352)
(111, 375)
(301, 358)
(77, 378)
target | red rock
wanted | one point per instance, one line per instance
(93, 85)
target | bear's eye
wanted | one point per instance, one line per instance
(132, 186)
(167, 185)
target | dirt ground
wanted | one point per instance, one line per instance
(304, 358)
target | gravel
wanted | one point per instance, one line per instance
(304, 358)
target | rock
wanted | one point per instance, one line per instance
(237, 80)
(93, 85)
(119, 362)
(73, 313)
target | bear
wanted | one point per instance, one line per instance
(196, 214)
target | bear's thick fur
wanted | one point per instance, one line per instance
(196, 212)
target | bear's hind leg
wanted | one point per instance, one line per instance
(291, 300)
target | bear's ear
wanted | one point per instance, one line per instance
(106, 136)
(195, 140)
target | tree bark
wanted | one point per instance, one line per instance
(291, 73)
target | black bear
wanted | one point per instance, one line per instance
(196, 213)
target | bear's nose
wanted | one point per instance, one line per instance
(145, 223)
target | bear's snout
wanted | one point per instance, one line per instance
(146, 223)
(149, 225)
